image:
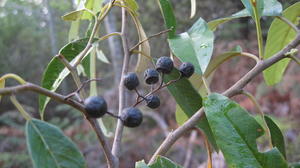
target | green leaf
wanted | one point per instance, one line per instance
(250, 5)
(236, 132)
(276, 135)
(271, 8)
(76, 15)
(2, 85)
(133, 5)
(169, 17)
(55, 71)
(195, 45)
(74, 30)
(101, 56)
(141, 164)
(189, 100)
(94, 6)
(279, 35)
(163, 162)
(50, 148)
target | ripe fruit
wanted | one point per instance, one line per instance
(95, 106)
(151, 76)
(153, 101)
(131, 81)
(164, 65)
(186, 69)
(131, 117)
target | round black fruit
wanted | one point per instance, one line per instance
(151, 76)
(186, 69)
(131, 117)
(164, 65)
(131, 81)
(95, 106)
(153, 101)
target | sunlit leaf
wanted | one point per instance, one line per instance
(101, 56)
(236, 132)
(50, 148)
(76, 15)
(133, 5)
(56, 72)
(195, 45)
(279, 35)
(94, 6)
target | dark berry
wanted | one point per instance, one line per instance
(131, 117)
(151, 76)
(131, 81)
(95, 106)
(153, 101)
(186, 69)
(164, 65)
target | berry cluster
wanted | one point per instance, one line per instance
(96, 106)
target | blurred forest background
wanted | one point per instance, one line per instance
(32, 32)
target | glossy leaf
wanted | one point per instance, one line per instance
(169, 17)
(276, 135)
(76, 15)
(50, 148)
(163, 162)
(189, 100)
(236, 132)
(55, 72)
(271, 8)
(279, 35)
(195, 45)
(2, 85)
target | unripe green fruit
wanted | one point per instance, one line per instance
(131, 81)
(131, 117)
(151, 76)
(164, 65)
(95, 106)
(187, 69)
(153, 101)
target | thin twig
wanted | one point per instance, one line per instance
(81, 87)
(235, 89)
(116, 149)
(148, 38)
(161, 86)
(297, 60)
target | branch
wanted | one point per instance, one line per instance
(148, 38)
(235, 89)
(61, 98)
(116, 149)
